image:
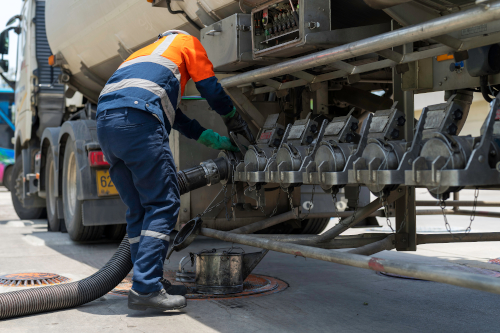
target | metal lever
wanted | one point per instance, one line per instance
(242, 148)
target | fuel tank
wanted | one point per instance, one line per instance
(97, 35)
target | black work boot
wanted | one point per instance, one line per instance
(157, 300)
(173, 289)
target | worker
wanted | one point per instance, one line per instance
(137, 109)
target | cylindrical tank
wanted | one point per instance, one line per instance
(91, 32)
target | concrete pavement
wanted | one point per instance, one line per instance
(322, 297)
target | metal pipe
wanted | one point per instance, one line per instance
(360, 215)
(419, 271)
(457, 203)
(256, 226)
(291, 215)
(477, 213)
(458, 238)
(436, 27)
(387, 243)
(435, 212)
(354, 241)
(340, 242)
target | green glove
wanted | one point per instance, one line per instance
(213, 140)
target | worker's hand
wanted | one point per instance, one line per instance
(213, 140)
(237, 125)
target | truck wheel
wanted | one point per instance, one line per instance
(314, 226)
(115, 232)
(17, 194)
(71, 205)
(7, 177)
(53, 222)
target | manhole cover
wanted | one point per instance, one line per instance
(31, 279)
(254, 286)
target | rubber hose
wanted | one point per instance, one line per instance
(24, 302)
(183, 13)
(483, 81)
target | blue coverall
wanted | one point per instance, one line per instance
(134, 119)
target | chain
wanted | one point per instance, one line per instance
(384, 202)
(473, 215)
(334, 199)
(442, 205)
(293, 208)
(210, 208)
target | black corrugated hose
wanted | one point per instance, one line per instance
(24, 302)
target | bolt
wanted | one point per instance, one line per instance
(354, 126)
(480, 158)
(445, 78)
(276, 142)
(314, 128)
(457, 115)
(309, 140)
(185, 210)
(349, 137)
(440, 83)
(395, 133)
(410, 161)
(452, 129)
(401, 121)
(400, 190)
(280, 132)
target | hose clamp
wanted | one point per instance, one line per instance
(211, 172)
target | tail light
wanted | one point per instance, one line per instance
(97, 159)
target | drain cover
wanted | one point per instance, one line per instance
(254, 286)
(31, 279)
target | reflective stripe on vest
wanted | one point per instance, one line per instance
(156, 58)
(149, 86)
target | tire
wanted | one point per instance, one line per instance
(7, 177)
(17, 194)
(314, 226)
(53, 222)
(71, 205)
(115, 232)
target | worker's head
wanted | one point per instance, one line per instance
(172, 32)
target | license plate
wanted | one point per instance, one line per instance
(105, 186)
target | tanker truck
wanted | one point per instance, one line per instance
(66, 53)
(326, 86)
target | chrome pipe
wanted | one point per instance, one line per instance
(480, 14)
(418, 271)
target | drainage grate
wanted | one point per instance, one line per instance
(31, 279)
(254, 286)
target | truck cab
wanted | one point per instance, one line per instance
(58, 163)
